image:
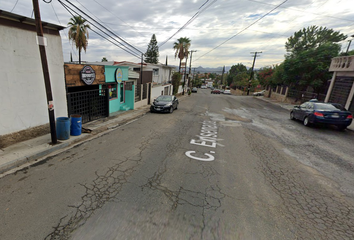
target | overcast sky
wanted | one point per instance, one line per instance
(223, 32)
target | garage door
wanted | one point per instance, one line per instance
(341, 90)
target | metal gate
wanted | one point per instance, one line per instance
(351, 107)
(91, 105)
(341, 90)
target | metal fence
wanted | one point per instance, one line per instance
(304, 96)
(91, 105)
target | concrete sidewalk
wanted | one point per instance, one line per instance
(26, 153)
(289, 106)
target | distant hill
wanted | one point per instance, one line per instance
(217, 70)
(211, 70)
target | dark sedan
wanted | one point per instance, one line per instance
(164, 103)
(314, 112)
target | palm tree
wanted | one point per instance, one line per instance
(181, 46)
(78, 33)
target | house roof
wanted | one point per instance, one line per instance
(15, 20)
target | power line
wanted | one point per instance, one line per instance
(14, 6)
(61, 24)
(244, 29)
(124, 45)
(116, 17)
(105, 28)
(189, 21)
(303, 10)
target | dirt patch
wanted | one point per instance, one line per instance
(232, 117)
(12, 138)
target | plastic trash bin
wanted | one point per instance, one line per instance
(63, 128)
(76, 124)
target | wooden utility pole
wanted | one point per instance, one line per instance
(190, 65)
(251, 75)
(41, 44)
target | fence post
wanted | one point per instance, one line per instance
(68, 99)
(106, 92)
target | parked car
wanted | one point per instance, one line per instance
(260, 93)
(204, 87)
(227, 91)
(164, 103)
(313, 112)
(215, 91)
(194, 89)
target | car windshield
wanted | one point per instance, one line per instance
(164, 98)
(329, 107)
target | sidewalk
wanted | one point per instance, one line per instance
(31, 151)
(289, 106)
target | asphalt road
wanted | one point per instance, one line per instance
(219, 167)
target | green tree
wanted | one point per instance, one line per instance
(78, 33)
(310, 51)
(234, 71)
(152, 52)
(176, 81)
(311, 38)
(104, 59)
(181, 48)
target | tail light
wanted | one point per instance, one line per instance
(318, 114)
(350, 116)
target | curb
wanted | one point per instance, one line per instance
(41, 155)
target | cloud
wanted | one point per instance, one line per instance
(136, 21)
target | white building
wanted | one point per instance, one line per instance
(23, 102)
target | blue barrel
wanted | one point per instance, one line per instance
(76, 124)
(63, 128)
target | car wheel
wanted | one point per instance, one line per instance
(306, 122)
(292, 115)
(341, 127)
(171, 109)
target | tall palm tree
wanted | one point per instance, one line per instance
(182, 46)
(78, 33)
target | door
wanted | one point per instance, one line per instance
(122, 92)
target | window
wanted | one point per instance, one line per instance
(155, 71)
(129, 86)
(112, 90)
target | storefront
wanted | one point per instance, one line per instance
(85, 96)
(121, 91)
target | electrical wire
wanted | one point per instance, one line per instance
(124, 45)
(66, 34)
(126, 50)
(14, 6)
(131, 46)
(117, 17)
(259, 19)
(189, 21)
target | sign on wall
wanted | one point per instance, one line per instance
(119, 75)
(88, 75)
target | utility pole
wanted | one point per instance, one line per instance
(48, 88)
(190, 64)
(222, 75)
(251, 75)
(185, 73)
(141, 77)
